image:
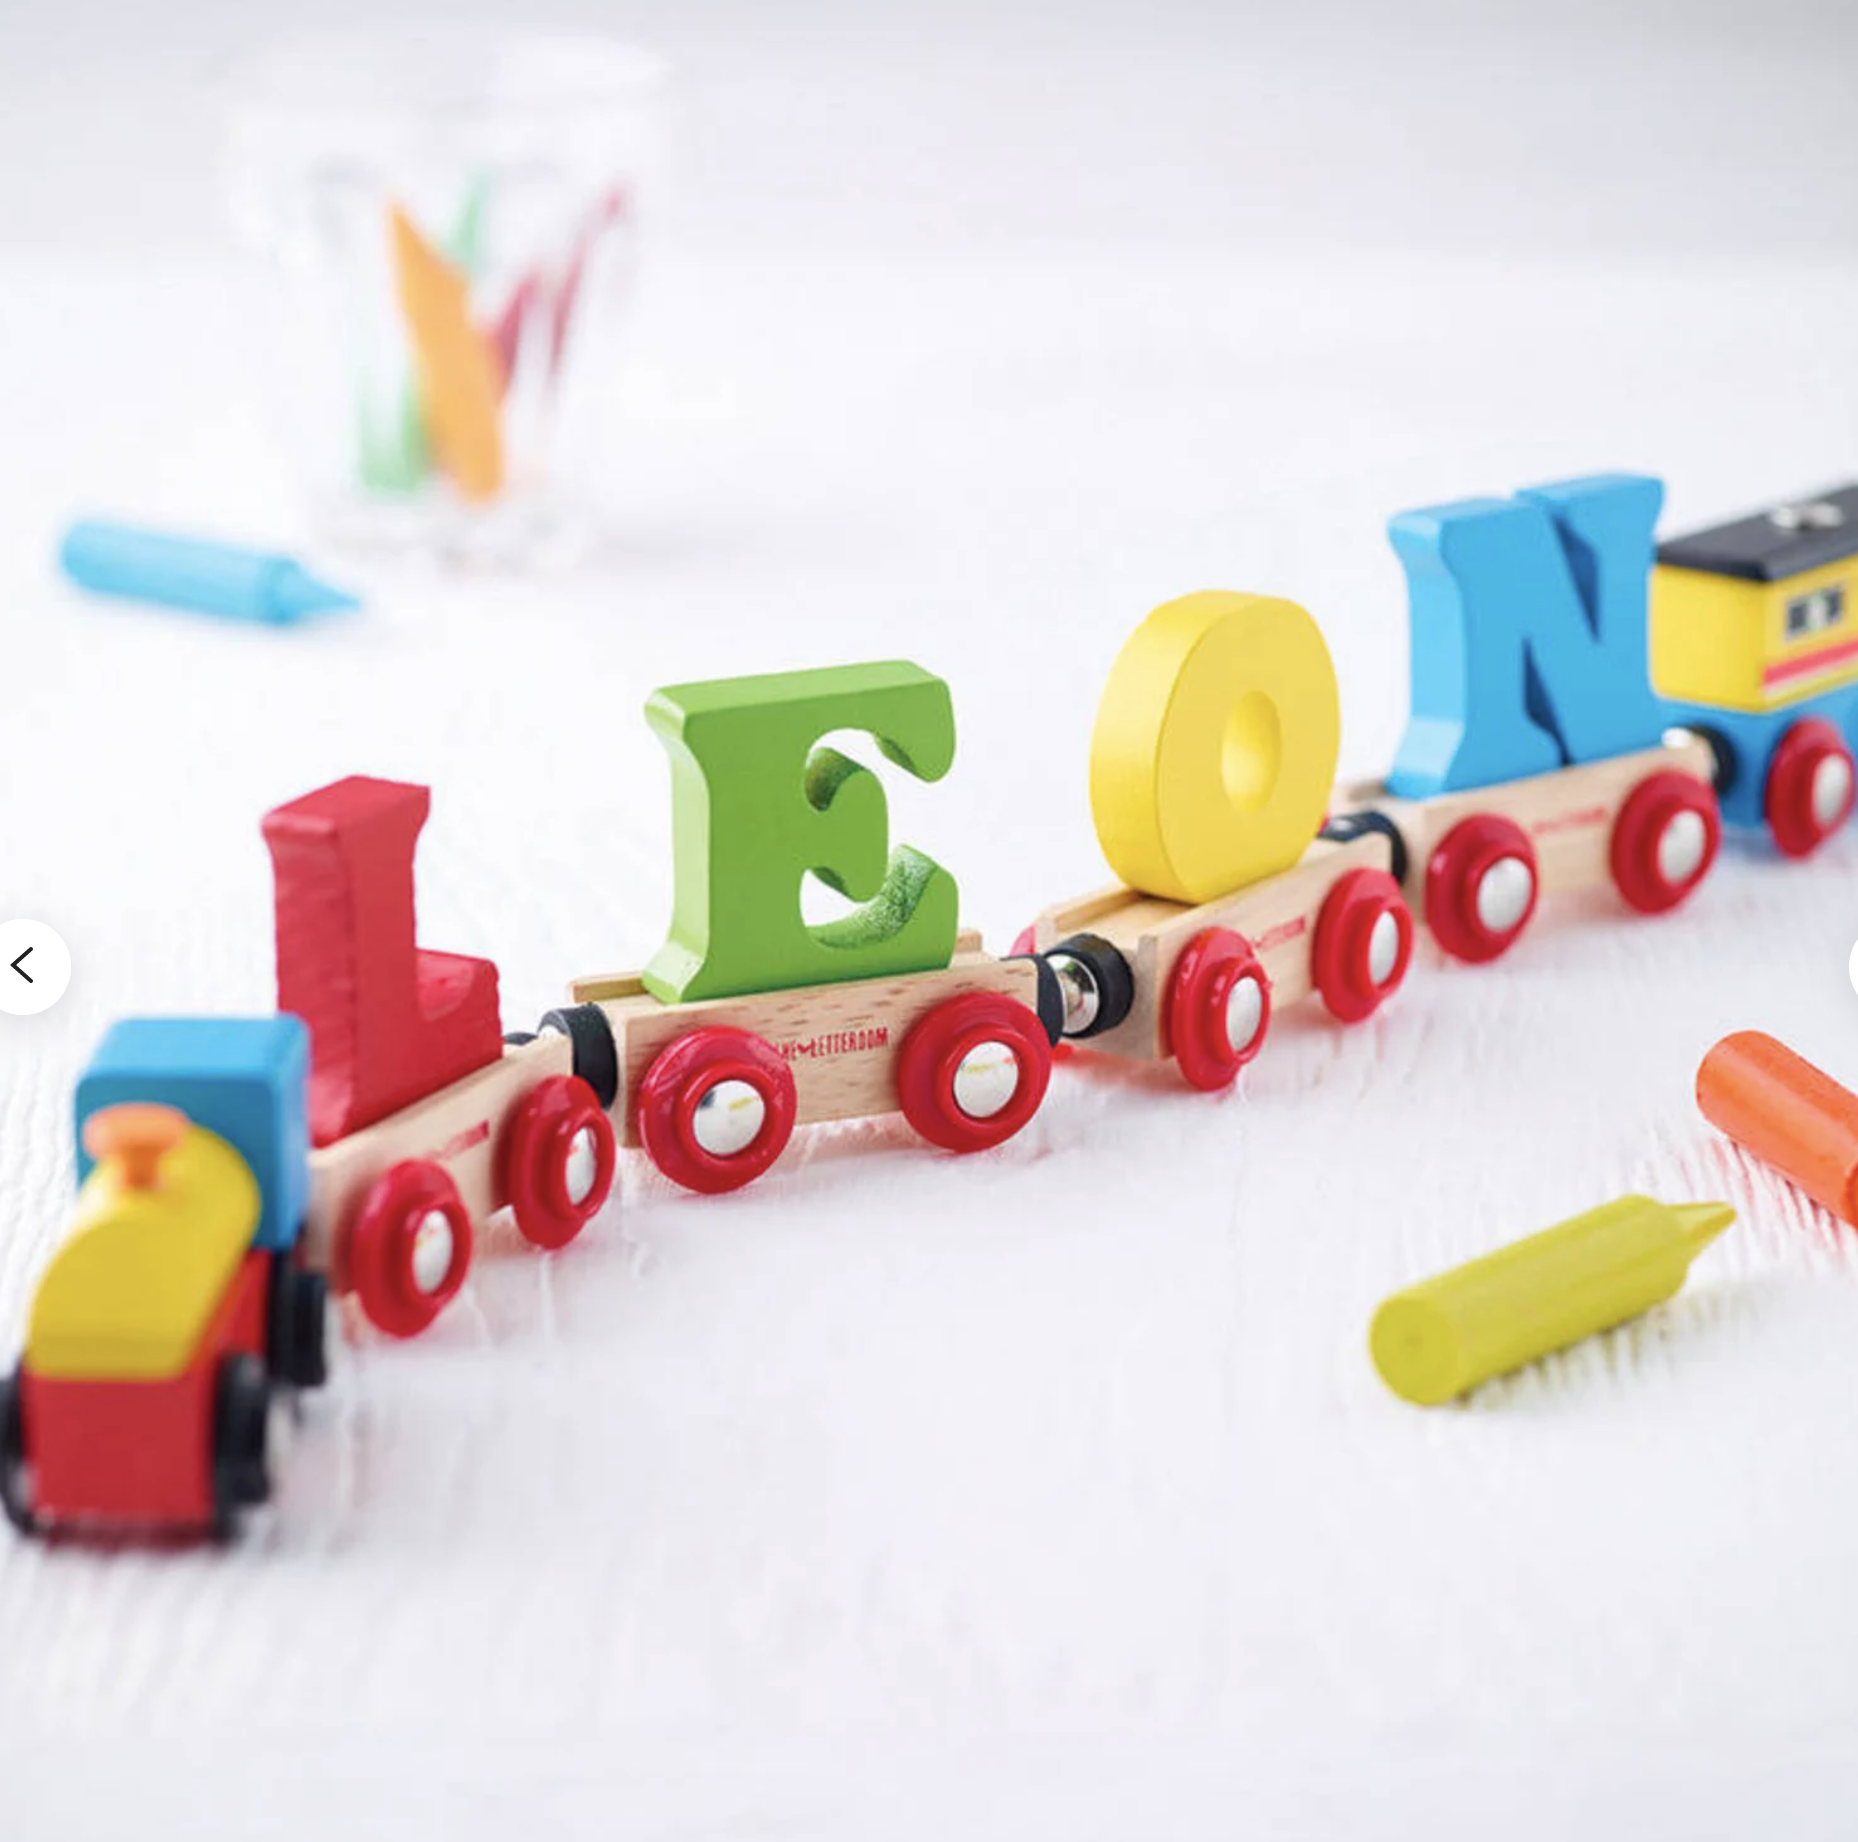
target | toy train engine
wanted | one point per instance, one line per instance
(1210, 766)
(750, 1020)
(178, 1307)
(1754, 640)
(1535, 759)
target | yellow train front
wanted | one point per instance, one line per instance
(174, 1310)
(1754, 642)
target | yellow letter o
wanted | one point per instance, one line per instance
(1215, 745)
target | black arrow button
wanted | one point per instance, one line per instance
(42, 961)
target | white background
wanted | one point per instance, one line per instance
(1047, 1493)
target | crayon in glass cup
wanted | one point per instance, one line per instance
(451, 216)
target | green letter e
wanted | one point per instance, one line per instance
(756, 805)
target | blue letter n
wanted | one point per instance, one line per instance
(1528, 620)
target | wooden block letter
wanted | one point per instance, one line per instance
(1528, 618)
(389, 1022)
(756, 805)
(1215, 745)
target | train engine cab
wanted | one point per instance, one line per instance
(751, 1020)
(1754, 639)
(1535, 760)
(177, 1308)
(1210, 769)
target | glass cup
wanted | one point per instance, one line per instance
(452, 216)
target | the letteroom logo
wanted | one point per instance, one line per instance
(835, 1042)
(1570, 821)
(456, 1147)
(1282, 934)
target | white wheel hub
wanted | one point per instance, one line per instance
(987, 1079)
(1078, 988)
(280, 1426)
(1832, 787)
(1504, 893)
(1681, 846)
(728, 1118)
(581, 1166)
(432, 1250)
(1384, 948)
(1244, 1014)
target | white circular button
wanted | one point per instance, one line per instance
(35, 968)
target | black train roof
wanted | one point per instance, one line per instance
(1770, 546)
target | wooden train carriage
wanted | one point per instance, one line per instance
(1149, 979)
(1474, 864)
(1530, 763)
(394, 1207)
(424, 1120)
(1211, 762)
(750, 1020)
(713, 1089)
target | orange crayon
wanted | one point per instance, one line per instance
(1788, 1113)
(460, 377)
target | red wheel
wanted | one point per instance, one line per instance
(1481, 887)
(1218, 1009)
(973, 1070)
(1664, 840)
(555, 1162)
(410, 1247)
(1810, 787)
(1364, 942)
(716, 1109)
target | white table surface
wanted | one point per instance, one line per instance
(1045, 1493)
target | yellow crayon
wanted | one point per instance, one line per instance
(1445, 1336)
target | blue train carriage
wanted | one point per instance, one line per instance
(1754, 642)
(1536, 758)
(170, 1318)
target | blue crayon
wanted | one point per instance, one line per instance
(186, 572)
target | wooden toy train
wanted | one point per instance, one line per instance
(233, 1170)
